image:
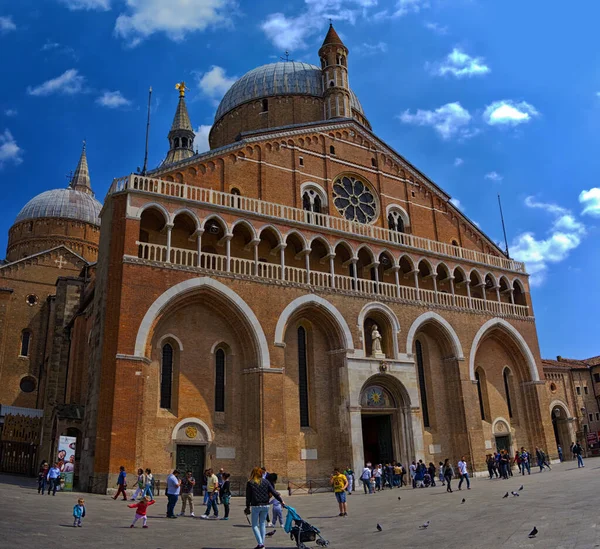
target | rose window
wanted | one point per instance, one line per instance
(354, 200)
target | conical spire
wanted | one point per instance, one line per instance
(181, 136)
(332, 37)
(81, 178)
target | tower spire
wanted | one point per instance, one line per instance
(81, 178)
(181, 136)
(334, 66)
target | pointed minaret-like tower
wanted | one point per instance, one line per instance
(334, 65)
(81, 178)
(181, 136)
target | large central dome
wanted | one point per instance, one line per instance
(281, 78)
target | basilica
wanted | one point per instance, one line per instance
(300, 297)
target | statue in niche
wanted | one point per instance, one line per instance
(376, 349)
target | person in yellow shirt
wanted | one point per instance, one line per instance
(340, 483)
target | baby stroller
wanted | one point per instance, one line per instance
(301, 531)
(427, 480)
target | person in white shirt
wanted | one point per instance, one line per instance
(464, 474)
(172, 491)
(365, 478)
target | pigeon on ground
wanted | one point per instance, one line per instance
(463, 500)
(515, 494)
(533, 533)
(271, 533)
(424, 525)
(505, 495)
(521, 488)
(379, 528)
(399, 499)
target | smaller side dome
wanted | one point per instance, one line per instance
(62, 203)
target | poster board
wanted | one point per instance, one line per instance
(65, 457)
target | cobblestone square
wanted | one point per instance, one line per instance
(562, 504)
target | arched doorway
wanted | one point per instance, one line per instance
(386, 429)
(561, 424)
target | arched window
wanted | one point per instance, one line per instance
(166, 376)
(176, 141)
(422, 386)
(184, 142)
(220, 380)
(397, 219)
(331, 147)
(25, 342)
(506, 376)
(303, 377)
(480, 396)
(265, 105)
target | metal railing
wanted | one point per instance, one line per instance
(319, 279)
(297, 215)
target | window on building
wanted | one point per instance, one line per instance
(597, 416)
(331, 149)
(373, 162)
(220, 380)
(395, 222)
(303, 377)
(265, 105)
(422, 386)
(507, 390)
(25, 343)
(166, 376)
(591, 416)
(585, 430)
(585, 390)
(480, 396)
(301, 161)
(311, 202)
(578, 390)
(597, 378)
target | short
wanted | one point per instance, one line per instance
(341, 497)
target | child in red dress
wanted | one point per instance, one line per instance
(140, 512)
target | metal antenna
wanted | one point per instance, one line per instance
(147, 133)
(503, 226)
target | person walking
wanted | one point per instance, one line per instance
(78, 512)
(377, 475)
(441, 470)
(448, 474)
(431, 472)
(121, 484)
(149, 487)
(42, 474)
(339, 483)
(350, 477)
(258, 493)
(172, 492)
(53, 479)
(525, 461)
(140, 485)
(225, 494)
(560, 453)
(413, 472)
(187, 493)
(464, 474)
(365, 478)
(578, 451)
(212, 487)
(541, 458)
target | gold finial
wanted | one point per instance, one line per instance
(182, 88)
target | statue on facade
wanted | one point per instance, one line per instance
(376, 349)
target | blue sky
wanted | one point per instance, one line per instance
(484, 97)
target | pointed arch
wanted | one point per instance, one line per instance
(191, 285)
(315, 301)
(389, 314)
(218, 219)
(509, 329)
(446, 327)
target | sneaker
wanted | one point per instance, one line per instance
(132, 526)
(145, 526)
(203, 516)
(79, 525)
(192, 515)
(225, 518)
(341, 515)
(181, 514)
(269, 525)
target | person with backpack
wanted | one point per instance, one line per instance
(578, 451)
(448, 474)
(365, 478)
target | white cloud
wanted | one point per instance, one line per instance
(75, 5)
(69, 82)
(10, 112)
(436, 28)
(175, 18)
(494, 176)
(59, 48)
(9, 150)
(370, 49)
(458, 162)
(201, 139)
(7, 24)
(456, 203)
(509, 113)
(448, 120)
(293, 32)
(113, 100)
(215, 83)
(590, 201)
(460, 64)
(564, 235)
(404, 7)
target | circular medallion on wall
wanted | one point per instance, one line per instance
(28, 384)
(191, 431)
(32, 299)
(354, 199)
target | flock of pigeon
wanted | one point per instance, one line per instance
(425, 525)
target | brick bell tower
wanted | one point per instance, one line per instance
(334, 65)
